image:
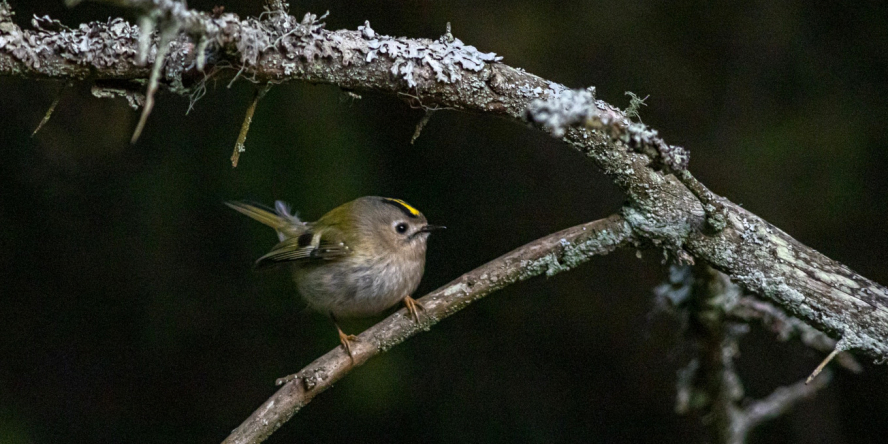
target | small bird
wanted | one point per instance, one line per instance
(356, 261)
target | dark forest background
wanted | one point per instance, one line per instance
(129, 312)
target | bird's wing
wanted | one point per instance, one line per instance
(308, 247)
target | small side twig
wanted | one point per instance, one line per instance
(716, 215)
(52, 108)
(167, 33)
(422, 123)
(840, 346)
(245, 127)
(751, 309)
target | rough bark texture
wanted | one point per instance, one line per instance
(828, 295)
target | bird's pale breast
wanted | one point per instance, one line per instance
(358, 287)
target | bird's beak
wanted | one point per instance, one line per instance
(430, 228)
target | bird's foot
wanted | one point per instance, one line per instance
(413, 307)
(347, 341)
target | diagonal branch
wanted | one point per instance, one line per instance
(552, 254)
(682, 213)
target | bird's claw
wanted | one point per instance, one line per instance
(347, 341)
(413, 307)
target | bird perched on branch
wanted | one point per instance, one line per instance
(358, 260)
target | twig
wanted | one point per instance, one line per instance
(245, 127)
(777, 403)
(422, 123)
(710, 384)
(551, 254)
(840, 346)
(167, 33)
(52, 108)
(716, 216)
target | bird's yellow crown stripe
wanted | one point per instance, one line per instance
(413, 211)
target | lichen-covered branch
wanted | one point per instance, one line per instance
(685, 216)
(550, 255)
(709, 384)
(573, 108)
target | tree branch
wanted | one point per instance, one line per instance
(667, 206)
(772, 406)
(549, 255)
(762, 258)
(710, 384)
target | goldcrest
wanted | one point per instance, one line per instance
(358, 260)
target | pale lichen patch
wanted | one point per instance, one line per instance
(785, 254)
(446, 58)
(835, 279)
(458, 288)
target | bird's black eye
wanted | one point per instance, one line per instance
(401, 228)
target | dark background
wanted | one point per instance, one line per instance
(129, 312)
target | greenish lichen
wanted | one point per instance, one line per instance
(635, 103)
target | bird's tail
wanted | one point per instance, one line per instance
(285, 223)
